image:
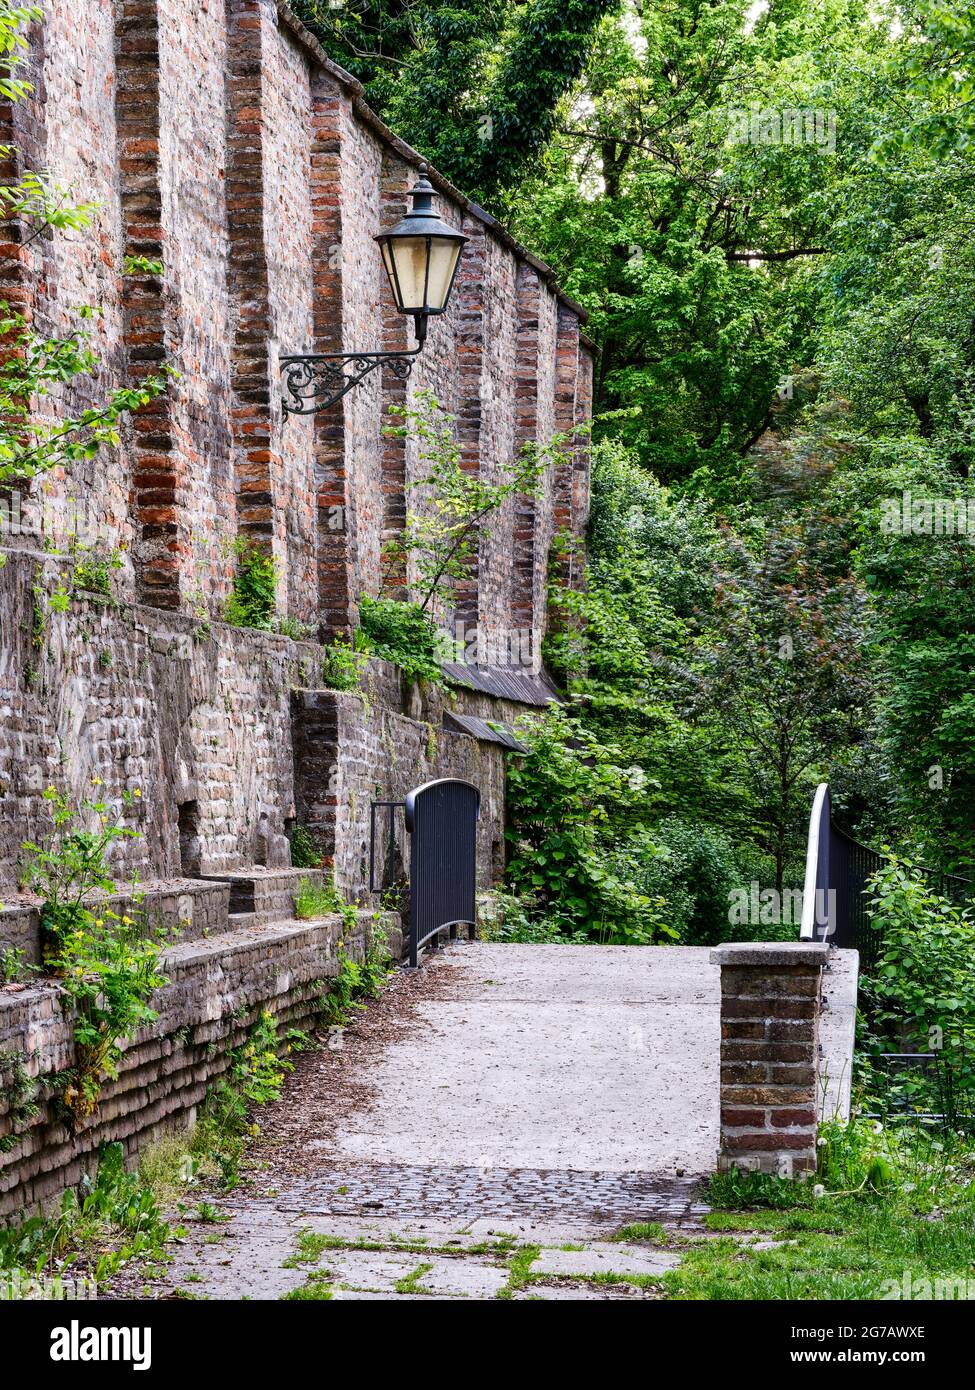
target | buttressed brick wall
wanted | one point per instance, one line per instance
(215, 136)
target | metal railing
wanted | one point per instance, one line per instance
(441, 822)
(838, 869)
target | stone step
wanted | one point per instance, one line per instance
(267, 893)
(181, 909)
(238, 920)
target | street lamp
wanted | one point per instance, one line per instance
(421, 254)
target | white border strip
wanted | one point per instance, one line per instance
(807, 929)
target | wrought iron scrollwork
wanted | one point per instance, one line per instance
(315, 381)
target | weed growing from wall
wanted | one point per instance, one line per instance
(106, 969)
(253, 598)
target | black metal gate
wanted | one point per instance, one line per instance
(441, 818)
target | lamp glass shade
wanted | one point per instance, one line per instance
(421, 270)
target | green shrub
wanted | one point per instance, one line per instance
(107, 969)
(305, 853)
(355, 982)
(93, 1233)
(342, 665)
(566, 794)
(320, 899)
(255, 1075)
(401, 633)
(15, 968)
(254, 596)
(93, 567)
(920, 996)
(294, 628)
(505, 917)
(695, 876)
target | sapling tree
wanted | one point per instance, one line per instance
(786, 667)
(443, 533)
(107, 969)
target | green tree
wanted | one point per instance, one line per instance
(473, 84)
(692, 248)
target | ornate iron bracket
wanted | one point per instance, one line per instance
(315, 381)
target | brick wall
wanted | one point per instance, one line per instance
(215, 136)
(217, 989)
(349, 753)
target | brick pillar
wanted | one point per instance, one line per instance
(254, 460)
(581, 458)
(397, 337)
(335, 591)
(770, 1005)
(156, 471)
(566, 416)
(527, 518)
(315, 737)
(470, 291)
(24, 139)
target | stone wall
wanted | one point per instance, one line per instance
(348, 754)
(215, 137)
(217, 989)
(211, 724)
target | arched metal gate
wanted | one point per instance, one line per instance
(441, 820)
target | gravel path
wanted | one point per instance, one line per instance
(483, 1130)
(508, 1122)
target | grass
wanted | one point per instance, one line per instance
(316, 1289)
(311, 1245)
(648, 1231)
(314, 900)
(91, 1235)
(889, 1212)
(519, 1270)
(410, 1283)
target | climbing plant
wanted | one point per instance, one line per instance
(33, 364)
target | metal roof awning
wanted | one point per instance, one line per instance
(487, 731)
(504, 684)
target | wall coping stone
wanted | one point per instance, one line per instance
(770, 953)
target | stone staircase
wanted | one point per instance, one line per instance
(260, 896)
(178, 910)
(224, 969)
